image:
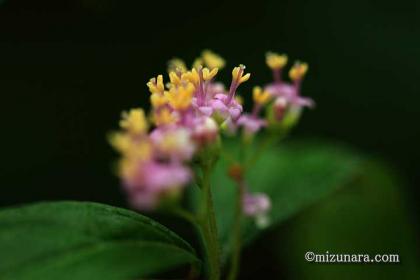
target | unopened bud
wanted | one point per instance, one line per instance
(206, 131)
(279, 108)
(235, 172)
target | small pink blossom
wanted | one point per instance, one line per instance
(174, 143)
(251, 123)
(153, 180)
(291, 92)
(257, 205)
(205, 130)
(225, 109)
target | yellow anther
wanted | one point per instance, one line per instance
(158, 100)
(191, 76)
(238, 74)
(163, 117)
(129, 146)
(174, 78)
(212, 60)
(156, 85)
(275, 61)
(134, 121)
(176, 65)
(140, 151)
(121, 142)
(208, 75)
(298, 71)
(260, 97)
(180, 98)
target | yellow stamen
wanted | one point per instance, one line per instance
(208, 75)
(158, 100)
(191, 76)
(238, 74)
(212, 60)
(275, 61)
(134, 121)
(163, 117)
(156, 85)
(129, 146)
(174, 78)
(298, 71)
(260, 97)
(180, 98)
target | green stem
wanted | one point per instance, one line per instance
(209, 228)
(236, 237)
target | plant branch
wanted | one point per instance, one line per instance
(237, 235)
(208, 227)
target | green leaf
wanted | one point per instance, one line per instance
(83, 240)
(369, 216)
(294, 176)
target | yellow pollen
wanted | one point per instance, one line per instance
(134, 121)
(212, 60)
(180, 98)
(298, 71)
(260, 97)
(156, 85)
(238, 75)
(191, 76)
(163, 117)
(174, 78)
(275, 61)
(129, 146)
(158, 100)
(208, 75)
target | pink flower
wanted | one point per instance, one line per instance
(173, 143)
(251, 123)
(205, 130)
(291, 92)
(257, 205)
(163, 176)
(153, 180)
(225, 109)
(205, 109)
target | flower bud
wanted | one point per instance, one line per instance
(205, 131)
(257, 205)
(279, 108)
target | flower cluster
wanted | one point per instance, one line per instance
(189, 112)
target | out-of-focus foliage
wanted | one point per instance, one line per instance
(294, 176)
(78, 240)
(365, 217)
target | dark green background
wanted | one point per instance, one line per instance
(69, 67)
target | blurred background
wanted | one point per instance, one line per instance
(68, 68)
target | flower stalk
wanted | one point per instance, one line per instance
(208, 226)
(237, 235)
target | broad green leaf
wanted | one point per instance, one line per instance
(294, 176)
(83, 240)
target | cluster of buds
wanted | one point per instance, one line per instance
(189, 113)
